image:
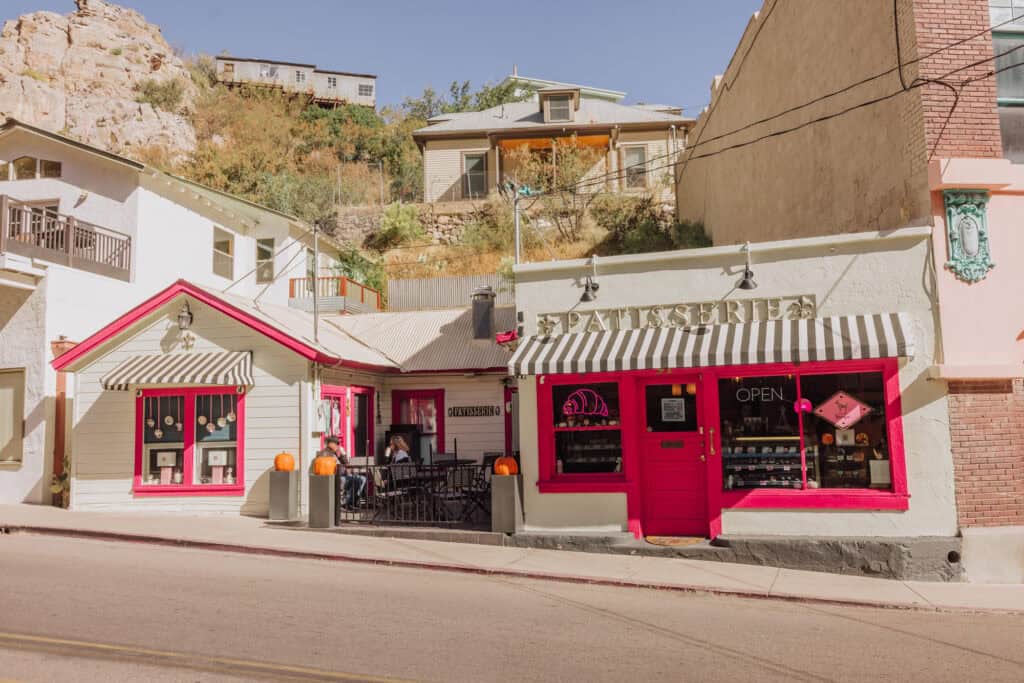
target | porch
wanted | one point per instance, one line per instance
(335, 294)
(39, 232)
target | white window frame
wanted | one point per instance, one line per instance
(300, 76)
(332, 82)
(266, 263)
(568, 109)
(14, 450)
(630, 174)
(223, 261)
(466, 187)
(366, 89)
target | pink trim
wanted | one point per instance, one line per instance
(183, 287)
(399, 395)
(371, 394)
(188, 459)
(549, 481)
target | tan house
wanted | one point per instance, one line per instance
(465, 153)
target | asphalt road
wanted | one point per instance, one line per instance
(75, 610)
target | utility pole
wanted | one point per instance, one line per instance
(316, 289)
(515, 213)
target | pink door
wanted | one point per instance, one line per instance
(673, 459)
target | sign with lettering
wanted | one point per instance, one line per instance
(759, 394)
(474, 411)
(727, 311)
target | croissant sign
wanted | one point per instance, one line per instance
(585, 402)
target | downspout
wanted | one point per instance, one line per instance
(62, 345)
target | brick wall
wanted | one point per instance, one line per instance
(973, 130)
(987, 425)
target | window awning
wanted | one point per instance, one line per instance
(210, 368)
(848, 337)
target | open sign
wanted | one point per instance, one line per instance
(759, 394)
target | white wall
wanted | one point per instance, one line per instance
(104, 431)
(871, 276)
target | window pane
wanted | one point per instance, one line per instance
(216, 464)
(559, 108)
(475, 163)
(365, 90)
(223, 251)
(264, 249)
(671, 408)
(1011, 122)
(586, 405)
(24, 168)
(5, 170)
(846, 432)
(265, 260)
(163, 436)
(634, 160)
(476, 175)
(422, 412)
(1009, 83)
(216, 418)
(588, 452)
(360, 421)
(760, 433)
(49, 169)
(12, 402)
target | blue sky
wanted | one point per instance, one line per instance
(657, 51)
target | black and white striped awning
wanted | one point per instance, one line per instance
(847, 337)
(227, 368)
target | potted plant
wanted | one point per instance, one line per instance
(61, 483)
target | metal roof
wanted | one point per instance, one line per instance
(424, 341)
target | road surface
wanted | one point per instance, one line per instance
(81, 610)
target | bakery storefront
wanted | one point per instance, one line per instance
(741, 410)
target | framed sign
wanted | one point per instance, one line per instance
(166, 458)
(842, 410)
(216, 458)
(673, 410)
(474, 411)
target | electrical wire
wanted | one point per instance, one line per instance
(286, 245)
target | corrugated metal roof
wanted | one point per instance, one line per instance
(445, 292)
(421, 341)
(527, 114)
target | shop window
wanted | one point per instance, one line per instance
(223, 253)
(423, 408)
(588, 432)
(265, 260)
(805, 431)
(191, 441)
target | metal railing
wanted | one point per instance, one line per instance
(301, 288)
(34, 231)
(457, 494)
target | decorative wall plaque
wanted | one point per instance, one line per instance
(967, 232)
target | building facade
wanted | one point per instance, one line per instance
(322, 86)
(87, 234)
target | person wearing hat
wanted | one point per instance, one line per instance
(354, 483)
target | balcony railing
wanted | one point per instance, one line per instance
(35, 232)
(333, 291)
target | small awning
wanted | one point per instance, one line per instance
(227, 368)
(848, 337)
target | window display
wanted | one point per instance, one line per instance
(804, 431)
(588, 433)
(191, 440)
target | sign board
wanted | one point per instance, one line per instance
(215, 458)
(166, 458)
(673, 410)
(474, 411)
(842, 410)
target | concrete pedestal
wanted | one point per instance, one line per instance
(284, 496)
(506, 503)
(321, 500)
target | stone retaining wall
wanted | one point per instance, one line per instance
(442, 221)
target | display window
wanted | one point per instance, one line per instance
(425, 409)
(189, 441)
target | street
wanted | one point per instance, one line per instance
(78, 610)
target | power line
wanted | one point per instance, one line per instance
(286, 245)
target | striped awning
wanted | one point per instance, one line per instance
(848, 337)
(211, 368)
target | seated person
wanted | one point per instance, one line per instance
(401, 464)
(353, 482)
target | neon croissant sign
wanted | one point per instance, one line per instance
(585, 402)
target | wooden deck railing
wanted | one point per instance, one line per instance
(334, 285)
(34, 232)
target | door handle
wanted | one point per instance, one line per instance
(703, 458)
(711, 440)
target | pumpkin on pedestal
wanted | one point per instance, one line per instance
(506, 465)
(325, 465)
(284, 462)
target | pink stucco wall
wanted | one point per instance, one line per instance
(982, 323)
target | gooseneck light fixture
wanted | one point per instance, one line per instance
(590, 286)
(185, 317)
(748, 275)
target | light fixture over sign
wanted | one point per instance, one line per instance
(185, 317)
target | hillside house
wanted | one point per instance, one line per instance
(85, 234)
(465, 154)
(327, 88)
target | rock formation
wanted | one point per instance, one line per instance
(79, 75)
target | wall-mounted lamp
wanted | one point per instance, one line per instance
(590, 286)
(748, 275)
(185, 317)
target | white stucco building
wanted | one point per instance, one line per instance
(86, 235)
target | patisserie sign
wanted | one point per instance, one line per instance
(727, 311)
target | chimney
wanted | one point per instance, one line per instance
(483, 313)
(515, 71)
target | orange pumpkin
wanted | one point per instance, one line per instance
(284, 462)
(506, 465)
(325, 465)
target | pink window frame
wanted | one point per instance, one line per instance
(399, 395)
(188, 466)
(347, 395)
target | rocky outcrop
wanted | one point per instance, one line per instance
(79, 74)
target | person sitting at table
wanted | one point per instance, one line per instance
(399, 450)
(401, 466)
(353, 483)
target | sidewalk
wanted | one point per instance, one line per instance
(246, 534)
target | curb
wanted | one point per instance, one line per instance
(480, 571)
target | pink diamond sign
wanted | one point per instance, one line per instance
(842, 410)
